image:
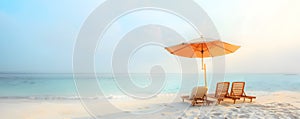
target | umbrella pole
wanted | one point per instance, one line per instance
(204, 68)
(202, 64)
(205, 81)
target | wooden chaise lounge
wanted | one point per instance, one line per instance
(237, 90)
(198, 95)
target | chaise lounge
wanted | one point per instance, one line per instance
(237, 90)
(198, 95)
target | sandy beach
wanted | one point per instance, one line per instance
(284, 104)
(138, 59)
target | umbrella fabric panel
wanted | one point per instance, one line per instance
(203, 49)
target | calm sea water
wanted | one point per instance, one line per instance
(63, 85)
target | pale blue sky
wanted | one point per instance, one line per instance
(38, 36)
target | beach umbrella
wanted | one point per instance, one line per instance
(202, 49)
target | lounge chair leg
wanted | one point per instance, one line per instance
(251, 100)
(234, 101)
(193, 103)
(244, 99)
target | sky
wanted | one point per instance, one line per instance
(39, 36)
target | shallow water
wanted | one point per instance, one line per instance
(63, 85)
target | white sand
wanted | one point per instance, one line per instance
(267, 105)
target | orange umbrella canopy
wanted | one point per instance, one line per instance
(203, 49)
(198, 49)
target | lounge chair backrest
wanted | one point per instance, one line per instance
(237, 89)
(198, 92)
(222, 89)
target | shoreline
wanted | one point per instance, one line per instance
(119, 96)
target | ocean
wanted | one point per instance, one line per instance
(62, 86)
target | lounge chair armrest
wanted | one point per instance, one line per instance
(185, 97)
(233, 97)
(250, 97)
